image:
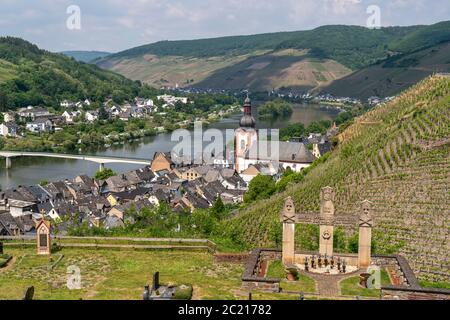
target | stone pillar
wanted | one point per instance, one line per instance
(365, 235)
(102, 167)
(288, 219)
(8, 163)
(327, 221)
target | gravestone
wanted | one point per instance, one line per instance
(146, 295)
(288, 219)
(43, 237)
(326, 213)
(155, 284)
(365, 235)
(28, 294)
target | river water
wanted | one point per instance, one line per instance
(32, 170)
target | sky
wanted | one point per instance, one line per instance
(115, 25)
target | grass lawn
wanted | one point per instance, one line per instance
(276, 270)
(116, 274)
(351, 287)
(303, 284)
(438, 285)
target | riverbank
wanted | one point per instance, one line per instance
(30, 171)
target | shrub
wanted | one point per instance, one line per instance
(183, 292)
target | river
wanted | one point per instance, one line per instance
(32, 170)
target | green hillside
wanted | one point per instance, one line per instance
(423, 37)
(396, 156)
(394, 74)
(31, 76)
(226, 63)
(86, 56)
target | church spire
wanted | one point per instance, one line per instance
(247, 121)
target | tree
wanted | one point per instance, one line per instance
(218, 207)
(261, 187)
(104, 174)
(102, 114)
(3, 101)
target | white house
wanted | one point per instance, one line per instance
(172, 100)
(8, 116)
(66, 104)
(40, 125)
(144, 102)
(91, 116)
(34, 113)
(8, 129)
(265, 169)
(69, 116)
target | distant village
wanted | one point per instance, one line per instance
(323, 98)
(37, 120)
(180, 184)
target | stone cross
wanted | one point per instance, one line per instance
(288, 219)
(365, 234)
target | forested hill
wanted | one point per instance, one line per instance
(352, 46)
(396, 156)
(31, 76)
(299, 59)
(86, 56)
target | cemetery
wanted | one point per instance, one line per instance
(57, 268)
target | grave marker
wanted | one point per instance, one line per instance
(43, 237)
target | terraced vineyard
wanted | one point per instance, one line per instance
(396, 156)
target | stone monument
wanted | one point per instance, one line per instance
(365, 235)
(326, 215)
(288, 219)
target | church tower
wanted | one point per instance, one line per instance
(246, 136)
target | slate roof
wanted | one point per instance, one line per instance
(288, 152)
(131, 195)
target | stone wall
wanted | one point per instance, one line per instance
(405, 293)
(255, 270)
(231, 257)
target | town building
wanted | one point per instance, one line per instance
(249, 150)
(9, 129)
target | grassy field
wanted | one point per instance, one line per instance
(121, 275)
(117, 274)
(351, 287)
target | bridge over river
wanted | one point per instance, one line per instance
(101, 160)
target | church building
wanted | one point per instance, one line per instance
(292, 155)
